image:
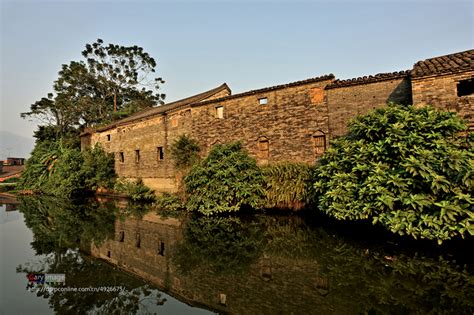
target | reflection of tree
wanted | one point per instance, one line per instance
(59, 228)
(375, 280)
(61, 224)
(222, 243)
(350, 276)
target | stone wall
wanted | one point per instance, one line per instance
(347, 101)
(287, 122)
(137, 147)
(440, 91)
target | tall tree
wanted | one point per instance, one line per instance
(112, 82)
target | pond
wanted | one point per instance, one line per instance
(112, 257)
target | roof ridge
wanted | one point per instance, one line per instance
(369, 79)
(444, 64)
(149, 112)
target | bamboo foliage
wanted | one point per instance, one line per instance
(287, 185)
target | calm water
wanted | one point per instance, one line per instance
(152, 263)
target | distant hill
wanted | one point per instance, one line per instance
(13, 145)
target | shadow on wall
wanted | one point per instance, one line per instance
(402, 93)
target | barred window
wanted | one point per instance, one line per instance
(319, 144)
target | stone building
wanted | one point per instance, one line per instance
(289, 122)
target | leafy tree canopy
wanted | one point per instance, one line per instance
(113, 81)
(406, 168)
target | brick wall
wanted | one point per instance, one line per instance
(441, 91)
(288, 121)
(346, 102)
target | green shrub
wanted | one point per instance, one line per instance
(227, 179)
(53, 169)
(184, 152)
(288, 184)
(405, 168)
(43, 158)
(136, 190)
(98, 168)
(65, 176)
(56, 168)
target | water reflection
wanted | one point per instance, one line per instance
(64, 232)
(241, 265)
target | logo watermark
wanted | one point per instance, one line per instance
(55, 282)
(46, 278)
(107, 289)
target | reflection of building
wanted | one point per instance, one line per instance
(289, 122)
(271, 285)
(11, 207)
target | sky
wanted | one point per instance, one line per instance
(198, 45)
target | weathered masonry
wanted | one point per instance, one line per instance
(289, 122)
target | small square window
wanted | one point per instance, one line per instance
(263, 101)
(108, 137)
(160, 153)
(137, 156)
(121, 157)
(220, 112)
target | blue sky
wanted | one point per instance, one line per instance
(201, 44)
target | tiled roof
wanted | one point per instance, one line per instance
(458, 62)
(268, 89)
(369, 79)
(147, 113)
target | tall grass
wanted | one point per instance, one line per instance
(288, 185)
